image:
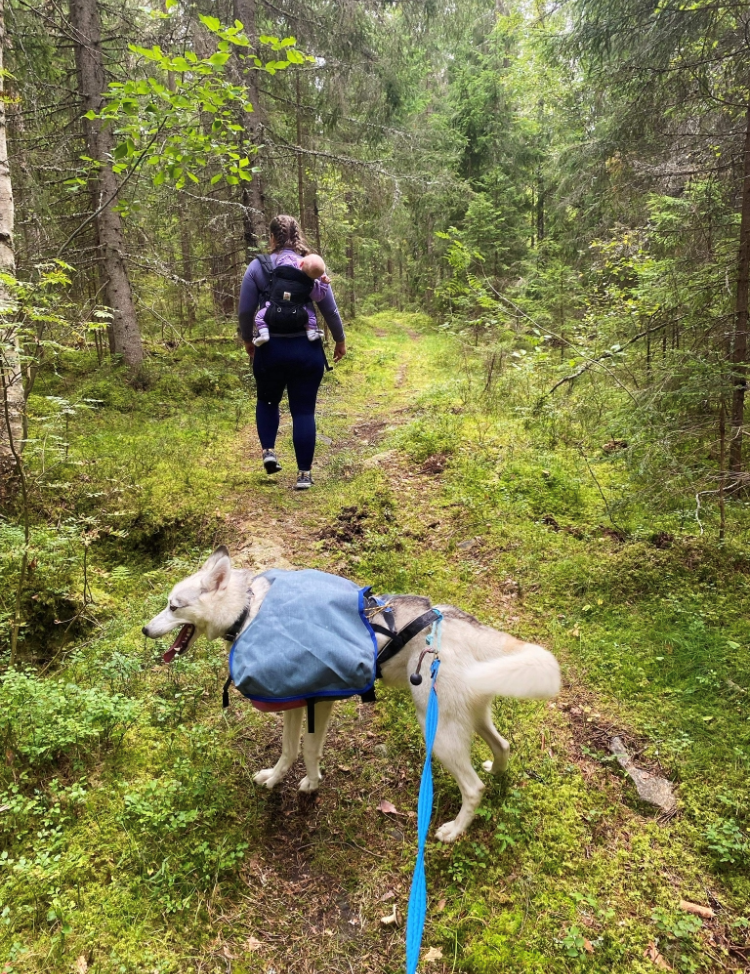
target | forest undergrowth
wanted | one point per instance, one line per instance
(133, 837)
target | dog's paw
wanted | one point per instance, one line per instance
(448, 832)
(266, 777)
(488, 766)
(308, 785)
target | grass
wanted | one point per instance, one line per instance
(134, 839)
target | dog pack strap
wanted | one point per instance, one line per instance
(225, 693)
(310, 716)
(382, 630)
(401, 639)
(373, 603)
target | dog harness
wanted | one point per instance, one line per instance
(313, 639)
(317, 621)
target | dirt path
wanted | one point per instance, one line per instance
(327, 868)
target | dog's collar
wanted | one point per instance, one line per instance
(234, 630)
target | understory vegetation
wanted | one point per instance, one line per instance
(133, 837)
(536, 220)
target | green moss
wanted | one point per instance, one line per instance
(150, 853)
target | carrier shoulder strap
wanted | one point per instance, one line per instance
(267, 265)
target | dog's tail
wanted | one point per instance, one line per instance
(530, 673)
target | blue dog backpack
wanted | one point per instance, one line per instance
(310, 640)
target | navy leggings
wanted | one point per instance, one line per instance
(297, 365)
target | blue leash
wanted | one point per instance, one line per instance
(417, 911)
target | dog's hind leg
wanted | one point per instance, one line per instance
(312, 746)
(270, 777)
(453, 751)
(497, 743)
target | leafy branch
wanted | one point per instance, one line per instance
(185, 114)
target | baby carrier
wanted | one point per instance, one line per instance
(288, 291)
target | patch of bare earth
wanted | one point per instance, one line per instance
(327, 867)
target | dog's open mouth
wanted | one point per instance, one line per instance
(180, 644)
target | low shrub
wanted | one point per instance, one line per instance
(43, 720)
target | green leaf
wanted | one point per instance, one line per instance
(219, 59)
(212, 23)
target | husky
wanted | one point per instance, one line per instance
(477, 664)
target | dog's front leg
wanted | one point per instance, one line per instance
(270, 777)
(312, 746)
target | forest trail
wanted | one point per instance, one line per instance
(432, 480)
(319, 884)
(327, 868)
(283, 527)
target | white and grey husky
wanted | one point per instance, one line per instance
(477, 664)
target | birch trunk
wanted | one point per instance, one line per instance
(12, 399)
(126, 336)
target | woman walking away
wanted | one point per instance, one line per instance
(286, 357)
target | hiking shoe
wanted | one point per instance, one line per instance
(270, 462)
(304, 480)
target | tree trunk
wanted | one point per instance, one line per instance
(316, 217)
(11, 380)
(254, 218)
(350, 257)
(187, 270)
(300, 161)
(540, 229)
(350, 274)
(126, 337)
(739, 350)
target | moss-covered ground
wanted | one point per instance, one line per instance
(133, 838)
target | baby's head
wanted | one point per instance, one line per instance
(313, 266)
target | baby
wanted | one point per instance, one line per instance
(315, 268)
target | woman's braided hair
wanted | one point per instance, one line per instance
(288, 235)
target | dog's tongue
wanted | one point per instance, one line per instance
(180, 644)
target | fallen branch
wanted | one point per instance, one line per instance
(600, 358)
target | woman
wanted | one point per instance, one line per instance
(290, 362)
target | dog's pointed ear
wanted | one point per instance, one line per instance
(217, 570)
(221, 552)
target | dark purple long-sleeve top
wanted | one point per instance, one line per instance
(255, 282)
